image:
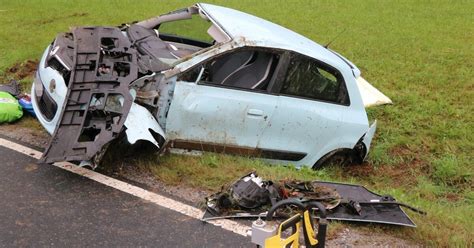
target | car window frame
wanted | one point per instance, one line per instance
(180, 38)
(289, 56)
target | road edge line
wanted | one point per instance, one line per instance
(144, 194)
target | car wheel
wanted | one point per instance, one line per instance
(342, 157)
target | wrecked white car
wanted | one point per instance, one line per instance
(253, 88)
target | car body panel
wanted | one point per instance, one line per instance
(256, 31)
(211, 114)
(369, 135)
(299, 126)
(312, 127)
(45, 75)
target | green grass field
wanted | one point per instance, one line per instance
(419, 53)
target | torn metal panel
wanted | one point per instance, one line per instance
(181, 14)
(215, 30)
(98, 98)
(166, 89)
(145, 90)
(141, 125)
(367, 140)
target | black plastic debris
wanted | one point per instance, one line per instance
(248, 193)
(362, 205)
(250, 196)
(90, 117)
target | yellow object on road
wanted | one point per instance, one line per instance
(291, 241)
(287, 234)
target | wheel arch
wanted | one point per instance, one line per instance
(349, 155)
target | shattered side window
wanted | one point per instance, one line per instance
(310, 79)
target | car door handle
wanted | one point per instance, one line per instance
(255, 112)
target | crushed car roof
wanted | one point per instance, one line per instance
(267, 34)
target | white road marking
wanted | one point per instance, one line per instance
(133, 190)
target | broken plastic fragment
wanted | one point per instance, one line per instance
(139, 123)
(370, 95)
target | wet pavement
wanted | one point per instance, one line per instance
(42, 205)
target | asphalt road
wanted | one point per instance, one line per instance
(42, 205)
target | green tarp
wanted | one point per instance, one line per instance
(10, 109)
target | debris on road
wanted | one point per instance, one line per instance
(12, 87)
(25, 102)
(251, 195)
(287, 234)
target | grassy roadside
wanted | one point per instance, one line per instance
(418, 53)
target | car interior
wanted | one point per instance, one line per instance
(244, 69)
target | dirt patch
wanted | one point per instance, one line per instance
(452, 197)
(353, 237)
(405, 174)
(38, 138)
(362, 170)
(402, 174)
(31, 167)
(400, 150)
(22, 70)
(131, 172)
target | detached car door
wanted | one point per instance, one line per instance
(223, 105)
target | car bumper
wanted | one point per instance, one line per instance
(47, 94)
(369, 135)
